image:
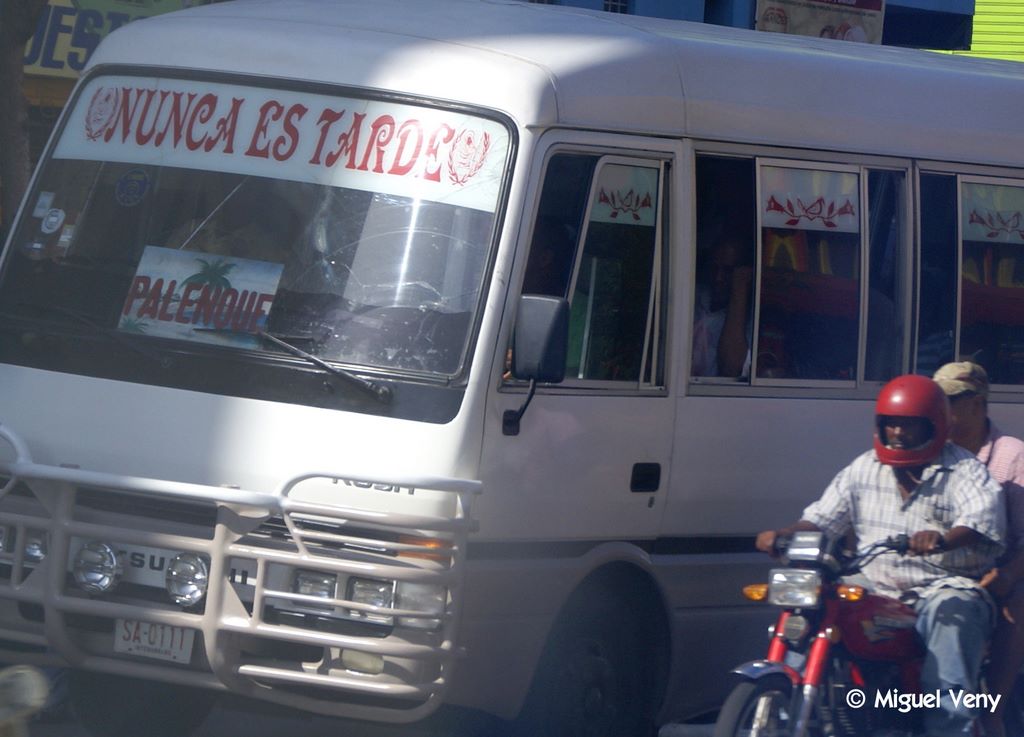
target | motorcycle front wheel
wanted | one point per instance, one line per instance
(761, 708)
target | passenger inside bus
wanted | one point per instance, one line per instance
(722, 309)
(551, 255)
(807, 325)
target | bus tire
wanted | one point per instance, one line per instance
(774, 693)
(116, 706)
(588, 681)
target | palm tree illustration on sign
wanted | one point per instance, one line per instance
(214, 273)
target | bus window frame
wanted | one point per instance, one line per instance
(963, 174)
(671, 158)
(653, 329)
(1010, 393)
(760, 165)
(861, 164)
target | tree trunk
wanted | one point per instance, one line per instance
(18, 20)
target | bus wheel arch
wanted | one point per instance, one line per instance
(604, 666)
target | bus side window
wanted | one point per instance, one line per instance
(810, 274)
(992, 279)
(886, 207)
(726, 246)
(615, 285)
(560, 214)
(937, 281)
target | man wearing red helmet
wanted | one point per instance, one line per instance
(913, 482)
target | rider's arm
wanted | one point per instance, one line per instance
(978, 505)
(932, 541)
(830, 514)
(732, 344)
(1000, 581)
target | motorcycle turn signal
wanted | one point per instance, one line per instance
(850, 592)
(756, 591)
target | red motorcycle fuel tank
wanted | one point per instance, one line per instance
(879, 628)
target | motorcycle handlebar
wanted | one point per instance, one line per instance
(897, 543)
(901, 544)
(781, 544)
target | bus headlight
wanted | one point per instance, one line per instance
(186, 579)
(428, 598)
(792, 587)
(96, 568)
(374, 592)
(315, 583)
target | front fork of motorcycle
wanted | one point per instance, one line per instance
(815, 669)
(777, 646)
(815, 672)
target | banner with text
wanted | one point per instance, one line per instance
(403, 150)
(846, 20)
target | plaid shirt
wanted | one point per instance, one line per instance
(955, 491)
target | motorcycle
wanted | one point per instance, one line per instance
(834, 649)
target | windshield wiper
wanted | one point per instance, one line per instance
(380, 392)
(88, 322)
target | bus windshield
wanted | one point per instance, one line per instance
(193, 216)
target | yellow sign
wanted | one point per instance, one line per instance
(69, 32)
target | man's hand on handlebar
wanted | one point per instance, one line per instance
(926, 542)
(774, 542)
(765, 541)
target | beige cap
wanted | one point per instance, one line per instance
(962, 376)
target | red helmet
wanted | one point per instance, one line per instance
(912, 396)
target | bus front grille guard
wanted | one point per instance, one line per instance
(340, 610)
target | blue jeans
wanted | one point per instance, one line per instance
(954, 625)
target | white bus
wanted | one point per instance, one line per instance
(262, 429)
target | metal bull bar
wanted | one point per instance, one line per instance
(254, 632)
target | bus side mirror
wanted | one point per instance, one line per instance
(540, 342)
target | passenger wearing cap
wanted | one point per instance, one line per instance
(966, 384)
(938, 494)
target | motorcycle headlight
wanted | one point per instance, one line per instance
(791, 587)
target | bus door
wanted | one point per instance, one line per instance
(590, 459)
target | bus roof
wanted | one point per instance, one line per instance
(546, 66)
